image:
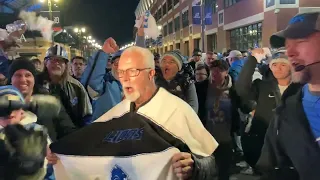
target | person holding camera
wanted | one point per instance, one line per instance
(23, 142)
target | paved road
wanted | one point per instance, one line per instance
(243, 177)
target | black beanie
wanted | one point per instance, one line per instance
(21, 64)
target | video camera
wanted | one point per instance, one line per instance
(23, 148)
(40, 105)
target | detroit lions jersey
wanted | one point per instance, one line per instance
(137, 144)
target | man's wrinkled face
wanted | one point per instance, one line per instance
(24, 81)
(201, 75)
(134, 76)
(303, 52)
(210, 58)
(56, 66)
(281, 70)
(78, 67)
(169, 67)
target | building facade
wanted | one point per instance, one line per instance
(236, 24)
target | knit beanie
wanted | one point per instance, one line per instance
(11, 90)
(279, 56)
(21, 64)
(175, 56)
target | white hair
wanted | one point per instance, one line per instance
(148, 57)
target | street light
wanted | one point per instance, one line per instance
(50, 6)
(89, 37)
(76, 30)
(83, 29)
(159, 27)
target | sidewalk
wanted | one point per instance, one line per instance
(243, 177)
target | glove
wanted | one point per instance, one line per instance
(27, 149)
(261, 53)
(45, 106)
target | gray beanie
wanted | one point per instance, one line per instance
(175, 56)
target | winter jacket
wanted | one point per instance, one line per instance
(153, 132)
(103, 88)
(73, 97)
(202, 89)
(290, 151)
(265, 92)
(181, 88)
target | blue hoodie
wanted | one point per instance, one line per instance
(103, 88)
(235, 69)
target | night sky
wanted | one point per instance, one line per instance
(106, 18)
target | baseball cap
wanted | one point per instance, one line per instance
(234, 53)
(116, 55)
(300, 26)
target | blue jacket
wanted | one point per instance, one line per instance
(235, 69)
(105, 91)
(4, 63)
(103, 88)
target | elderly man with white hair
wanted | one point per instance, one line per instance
(151, 134)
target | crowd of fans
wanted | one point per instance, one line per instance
(265, 120)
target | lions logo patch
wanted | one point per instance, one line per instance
(118, 174)
(74, 101)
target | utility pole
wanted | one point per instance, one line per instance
(50, 9)
(202, 23)
(51, 19)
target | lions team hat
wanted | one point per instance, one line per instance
(300, 26)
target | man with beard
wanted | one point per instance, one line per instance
(55, 80)
(292, 143)
(103, 84)
(150, 128)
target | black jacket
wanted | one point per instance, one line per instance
(58, 126)
(264, 92)
(290, 151)
(202, 88)
(72, 95)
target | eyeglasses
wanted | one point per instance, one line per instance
(57, 60)
(130, 72)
